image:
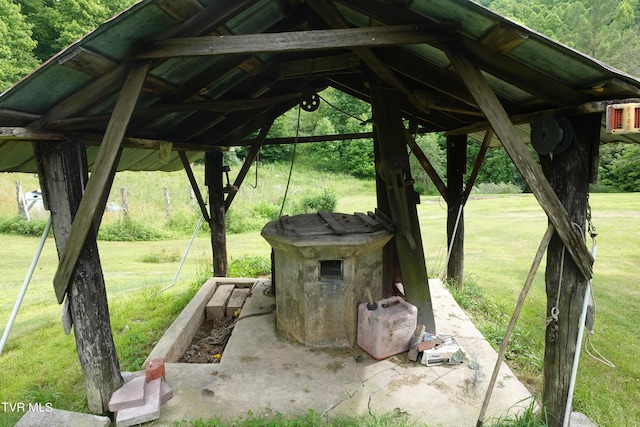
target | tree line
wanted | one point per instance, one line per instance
(31, 31)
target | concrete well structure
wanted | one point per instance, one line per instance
(322, 264)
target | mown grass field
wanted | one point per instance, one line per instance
(39, 363)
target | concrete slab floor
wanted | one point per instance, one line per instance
(265, 373)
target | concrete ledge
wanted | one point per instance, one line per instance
(177, 338)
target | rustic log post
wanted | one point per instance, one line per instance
(63, 174)
(395, 174)
(390, 268)
(456, 168)
(214, 180)
(571, 174)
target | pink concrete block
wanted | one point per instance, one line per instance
(165, 392)
(131, 394)
(141, 414)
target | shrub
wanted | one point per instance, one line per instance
(20, 226)
(184, 223)
(326, 201)
(249, 266)
(238, 221)
(268, 211)
(128, 230)
(500, 188)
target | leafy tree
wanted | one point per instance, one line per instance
(16, 45)
(58, 23)
(619, 168)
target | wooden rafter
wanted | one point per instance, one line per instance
(517, 150)
(180, 10)
(208, 18)
(82, 99)
(88, 62)
(296, 41)
(221, 106)
(102, 170)
(331, 16)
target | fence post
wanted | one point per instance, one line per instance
(167, 202)
(22, 204)
(125, 202)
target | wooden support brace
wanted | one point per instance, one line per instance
(426, 164)
(253, 153)
(476, 166)
(517, 150)
(103, 168)
(194, 185)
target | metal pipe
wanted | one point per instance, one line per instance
(25, 285)
(193, 236)
(576, 356)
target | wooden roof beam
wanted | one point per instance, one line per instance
(517, 150)
(88, 61)
(295, 41)
(21, 134)
(320, 65)
(585, 108)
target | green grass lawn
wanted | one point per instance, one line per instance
(39, 363)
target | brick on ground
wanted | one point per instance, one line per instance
(216, 307)
(141, 414)
(131, 394)
(166, 392)
(238, 296)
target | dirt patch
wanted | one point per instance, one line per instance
(209, 341)
(405, 380)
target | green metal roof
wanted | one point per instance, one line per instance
(530, 73)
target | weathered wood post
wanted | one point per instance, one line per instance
(456, 168)
(63, 174)
(214, 180)
(572, 171)
(393, 168)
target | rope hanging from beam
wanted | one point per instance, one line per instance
(293, 158)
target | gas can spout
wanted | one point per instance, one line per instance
(371, 305)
